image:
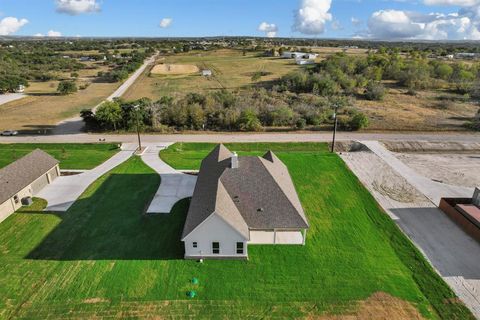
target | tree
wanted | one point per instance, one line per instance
(280, 51)
(359, 121)
(374, 91)
(248, 121)
(109, 114)
(443, 71)
(66, 87)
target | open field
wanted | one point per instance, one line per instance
(425, 111)
(71, 156)
(174, 69)
(231, 70)
(103, 258)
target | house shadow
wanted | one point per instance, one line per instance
(450, 250)
(111, 224)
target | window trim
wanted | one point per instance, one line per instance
(195, 244)
(217, 249)
(240, 250)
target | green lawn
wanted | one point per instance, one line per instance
(71, 155)
(103, 258)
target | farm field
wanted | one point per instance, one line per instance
(104, 259)
(71, 155)
(231, 70)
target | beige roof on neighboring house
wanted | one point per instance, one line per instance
(21, 173)
(259, 194)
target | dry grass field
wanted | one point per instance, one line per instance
(231, 70)
(43, 108)
(174, 69)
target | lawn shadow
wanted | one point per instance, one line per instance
(110, 224)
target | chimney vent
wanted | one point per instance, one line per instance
(234, 161)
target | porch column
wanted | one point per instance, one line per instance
(304, 236)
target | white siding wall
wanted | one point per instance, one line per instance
(9, 206)
(214, 229)
(6, 209)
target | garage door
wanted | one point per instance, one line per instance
(39, 184)
(53, 174)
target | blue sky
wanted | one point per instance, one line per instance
(400, 19)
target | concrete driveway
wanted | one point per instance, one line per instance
(64, 191)
(174, 185)
(454, 254)
(8, 97)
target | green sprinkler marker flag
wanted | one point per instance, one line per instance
(195, 280)
(191, 294)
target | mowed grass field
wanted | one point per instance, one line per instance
(231, 70)
(71, 155)
(104, 259)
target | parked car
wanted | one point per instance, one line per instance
(9, 133)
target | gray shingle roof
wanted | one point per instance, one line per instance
(19, 174)
(259, 194)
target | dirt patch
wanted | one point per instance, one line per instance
(432, 147)
(95, 300)
(454, 169)
(379, 306)
(382, 178)
(174, 69)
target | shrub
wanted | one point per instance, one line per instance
(249, 121)
(300, 124)
(66, 87)
(375, 91)
(359, 121)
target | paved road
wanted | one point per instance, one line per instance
(75, 125)
(8, 97)
(246, 137)
(174, 185)
(454, 254)
(64, 191)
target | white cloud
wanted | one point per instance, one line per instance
(396, 24)
(356, 22)
(9, 25)
(460, 3)
(76, 7)
(166, 22)
(312, 15)
(270, 29)
(53, 33)
(39, 35)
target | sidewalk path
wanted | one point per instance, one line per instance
(174, 185)
(64, 191)
(431, 189)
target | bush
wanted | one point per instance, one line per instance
(249, 121)
(375, 91)
(359, 121)
(300, 124)
(66, 87)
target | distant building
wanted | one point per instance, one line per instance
(449, 56)
(465, 55)
(24, 178)
(207, 73)
(84, 58)
(299, 55)
(304, 62)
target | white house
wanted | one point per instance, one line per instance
(239, 201)
(206, 73)
(24, 178)
(299, 55)
(304, 62)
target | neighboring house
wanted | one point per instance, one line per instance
(206, 73)
(465, 55)
(239, 201)
(24, 178)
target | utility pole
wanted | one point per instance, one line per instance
(334, 126)
(136, 108)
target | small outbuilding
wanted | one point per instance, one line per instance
(239, 201)
(25, 178)
(206, 73)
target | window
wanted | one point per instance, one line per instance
(239, 247)
(215, 247)
(194, 244)
(15, 198)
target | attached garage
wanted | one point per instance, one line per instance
(24, 178)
